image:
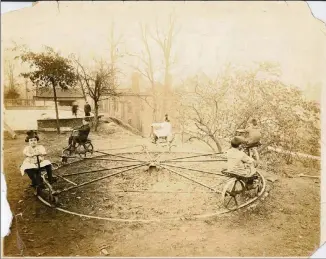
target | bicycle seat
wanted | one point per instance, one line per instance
(241, 175)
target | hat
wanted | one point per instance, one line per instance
(31, 134)
(236, 141)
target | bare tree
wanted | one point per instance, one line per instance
(215, 109)
(146, 69)
(98, 83)
(115, 53)
(11, 91)
(165, 42)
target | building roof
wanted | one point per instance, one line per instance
(61, 93)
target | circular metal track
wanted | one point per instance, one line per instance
(249, 204)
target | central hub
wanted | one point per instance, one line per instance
(154, 165)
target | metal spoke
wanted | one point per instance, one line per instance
(194, 161)
(145, 191)
(65, 179)
(204, 185)
(109, 154)
(229, 200)
(159, 155)
(196, 170)
(100, 170)
(148, 154)
(236, 202)
(178, 158)
(98, 179)
(113, 160)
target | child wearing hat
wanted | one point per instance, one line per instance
(34, 154)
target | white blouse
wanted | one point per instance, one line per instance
(30, 162)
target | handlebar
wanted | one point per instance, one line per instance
(38, 155)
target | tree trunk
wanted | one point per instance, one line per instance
(84, 93)
(96, 115)
(56, 109)
(217, 143)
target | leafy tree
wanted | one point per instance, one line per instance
(49, 70)
(215, 109)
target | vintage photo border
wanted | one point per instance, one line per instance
(323, 162)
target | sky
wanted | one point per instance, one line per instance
(318, 8)
(197, 48)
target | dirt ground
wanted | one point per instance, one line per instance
(287, 223)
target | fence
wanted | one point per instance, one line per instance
(19, 102)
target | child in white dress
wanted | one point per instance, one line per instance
(34, 158)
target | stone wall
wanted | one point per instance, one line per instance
(65, 124)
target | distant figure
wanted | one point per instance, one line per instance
(74, 109)
(162, 130)
(87, 109)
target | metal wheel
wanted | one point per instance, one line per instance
(88, 146)
(65, 154)
(54, 200)
(233, 194)
(258, 185)
(80, 150)
(55, 166)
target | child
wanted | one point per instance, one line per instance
(253, 137)
(162, 130)
(82, 135)
(30, 164)
(237, 160)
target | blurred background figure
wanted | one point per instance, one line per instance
(87, 109)
(74, 109)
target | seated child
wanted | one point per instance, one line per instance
(237, 160)
(253, 136)
(82, 134)
(30, 164)
(162, 130)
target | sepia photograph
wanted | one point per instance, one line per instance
(162, 128)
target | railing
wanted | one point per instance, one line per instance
(19, 102)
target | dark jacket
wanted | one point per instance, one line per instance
(87, 108)
(83, 132)
(74, 107)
